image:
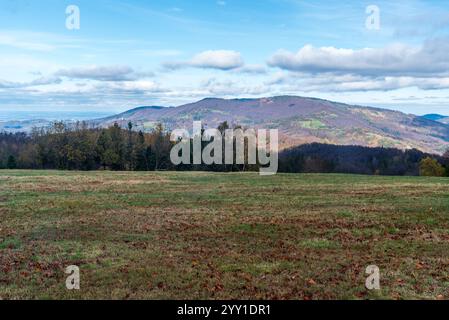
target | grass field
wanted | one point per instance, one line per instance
(219, 236)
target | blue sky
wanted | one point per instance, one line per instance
(131, 53)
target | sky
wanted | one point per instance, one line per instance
(122, 54)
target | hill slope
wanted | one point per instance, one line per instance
(437, 117)
(434, 116)
(444, 120)
(301, 120)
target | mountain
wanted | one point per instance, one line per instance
(134, 114)
(443, 119)
(436, 117)
(300, 120)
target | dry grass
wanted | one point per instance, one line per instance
(221, 236)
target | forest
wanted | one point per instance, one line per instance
(85, 148)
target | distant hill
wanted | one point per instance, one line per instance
(444, 120)
(133, 114)
(436, 117)
(300, 120)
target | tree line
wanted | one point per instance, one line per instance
(80, 147)
(323, 158)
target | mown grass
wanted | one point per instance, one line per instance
(222, 236)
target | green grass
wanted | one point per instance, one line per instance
(222, 236)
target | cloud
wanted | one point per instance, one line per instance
(252, 69)
(220, 59)
(223, 88)
(42, 81)
(353, 83)
(137, 87)
(98, 95)
(211, 59)
(103, 73)
(431, 59)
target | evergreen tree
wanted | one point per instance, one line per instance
(11, 164)
(130, 161)
(158, 146)
(104, 146)
(446, 162)
(140, 156)
(116, 153)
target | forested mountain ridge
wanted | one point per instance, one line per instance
(300, 120)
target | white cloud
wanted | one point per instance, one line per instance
(211, 59)
(103, 73)
(252, 69)
(352, 83)
(42, 81)
(230, 88)
(133, 87)
(431, 59)
(219, 59)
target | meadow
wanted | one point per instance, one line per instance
(193, 235)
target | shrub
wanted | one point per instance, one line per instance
(431, 168)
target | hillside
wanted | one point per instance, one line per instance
(437, 117)
(444, 120)
(301, 120)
